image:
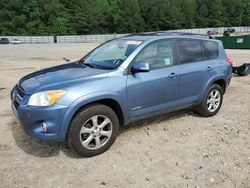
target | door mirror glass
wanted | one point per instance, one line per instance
(140, 66)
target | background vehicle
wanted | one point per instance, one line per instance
(4, 41)
(212, 33)
(16, 41)
(122, 81)
(228, 32)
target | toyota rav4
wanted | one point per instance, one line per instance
(122, 81)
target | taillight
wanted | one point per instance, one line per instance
(229, 60)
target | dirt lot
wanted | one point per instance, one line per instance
(181, 149)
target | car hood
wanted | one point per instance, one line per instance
(58, 76)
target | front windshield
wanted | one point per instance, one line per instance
(110, 55)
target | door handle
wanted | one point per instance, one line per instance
(209, 69)
(172, 75)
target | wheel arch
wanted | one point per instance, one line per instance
(216, 80)
(113, 100)
(221, 83)
(112, 103)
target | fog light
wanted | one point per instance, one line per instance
(44, 127)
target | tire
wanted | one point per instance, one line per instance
(211, 104)
(93, 130)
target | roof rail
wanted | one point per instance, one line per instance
(161, 33)
(183, 33)
(142, 34)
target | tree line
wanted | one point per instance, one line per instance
(64, 17)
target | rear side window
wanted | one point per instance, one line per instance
(212, 49)
(189, 51)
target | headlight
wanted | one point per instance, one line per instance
(46, 98)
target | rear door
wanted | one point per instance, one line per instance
(156, 90)
(194, 70)
(212, 52)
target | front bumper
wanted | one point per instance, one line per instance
(31, 117)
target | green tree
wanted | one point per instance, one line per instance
(188, 9)
(216, 17)
(113, 16)
(129, 19)
(233, 12)
(202, 20)
(161, 14)
(246, 13)
(64, 17)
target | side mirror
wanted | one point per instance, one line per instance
(140, 66)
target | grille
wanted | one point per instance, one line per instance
(19, 97)
(20, 92)
(16, 104)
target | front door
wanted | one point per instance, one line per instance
(156, 90)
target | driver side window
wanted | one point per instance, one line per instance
(158, 54)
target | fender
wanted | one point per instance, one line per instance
(86, 99)
(209, 83)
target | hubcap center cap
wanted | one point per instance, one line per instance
(96, 132)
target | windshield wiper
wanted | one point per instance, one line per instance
(87, 64)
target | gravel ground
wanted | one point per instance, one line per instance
(180, 149)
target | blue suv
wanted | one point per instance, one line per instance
(119, 82)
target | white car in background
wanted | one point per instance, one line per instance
(16, 41)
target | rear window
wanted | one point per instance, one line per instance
(212, 49)
(189, 51)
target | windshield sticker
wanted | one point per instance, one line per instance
(134, 42)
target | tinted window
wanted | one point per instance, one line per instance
(189, 50)
(158, 54)
(212, 49)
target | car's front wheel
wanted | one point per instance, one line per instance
(212, 102)
(93, 130)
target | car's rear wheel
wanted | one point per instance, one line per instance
(212, 102)
(93, 130)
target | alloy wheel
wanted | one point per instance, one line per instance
(213, 100)
(96, 132)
